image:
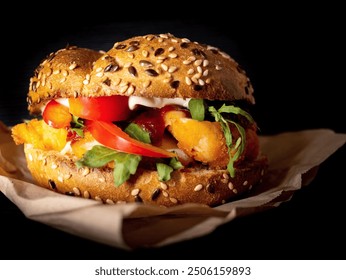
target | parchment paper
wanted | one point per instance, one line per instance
(293, 159)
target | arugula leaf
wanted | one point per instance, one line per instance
(175, 163)
(197, 109)
(164, 171)
(138, 133)
(125, 164)
(237, 149)
(77, 125)
(235, 110)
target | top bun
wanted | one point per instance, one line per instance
(61, 74)
(169, 67)
(152, 66)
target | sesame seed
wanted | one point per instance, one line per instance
(131, 55)
(123, 83)
(57, 71)
(60, 178)
(76, 191)
(49, 72)
(245, 183)
(116, 81)
(145, 53)
(172, 55)
(86, 82)
(197, 75)
(186, 62)
(198, 62)
(207, 81)
(135, 192)
(201, 82)
(99, 69)
(64, 73)
(100, 74)
(54, 166)
(174, 200)
(97, 198)
(235, 190)
(87, 77)
(146, 84)
(174, 40)
(102, 179)
(160, 40)
(225, 175)
(188, 81)
(199, 69)
(205, 62)
(185, 40)
(165, 194)
(172, 69)
(63, 80)
(72, 66)
(217, 67)
(123, 89)
(128, 64)
(163, 36)
(262, 172)
(109, 201)
(191, 58)
(206, 72)
(163, 186)
(164, 66)
(190, 71)
(250, 187)
(230, 186)
(170, 49)
(131, 89)
(198, 187)
(86, 194)
(85, 171)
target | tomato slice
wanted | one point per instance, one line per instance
(56, 115)
(112, 136)
(103, 108)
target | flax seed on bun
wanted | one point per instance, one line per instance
(153, 66)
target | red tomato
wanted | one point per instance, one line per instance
(57, 115)
(103, 108)
(112, 136)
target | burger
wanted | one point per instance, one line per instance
(156, 119)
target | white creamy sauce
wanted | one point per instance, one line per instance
(63, 101)
(155, 102)
(134, 101)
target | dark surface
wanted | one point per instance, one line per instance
(290, 62)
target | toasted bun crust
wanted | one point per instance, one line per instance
(151, 66)
(56, 172)
(61, 74)
(166, 66)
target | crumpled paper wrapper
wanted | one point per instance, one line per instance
(294, 158)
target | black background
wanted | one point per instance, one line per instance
(294, 58)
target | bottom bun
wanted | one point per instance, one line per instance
(59, 173)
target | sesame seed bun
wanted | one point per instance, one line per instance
(166, 66)
(59, 173)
